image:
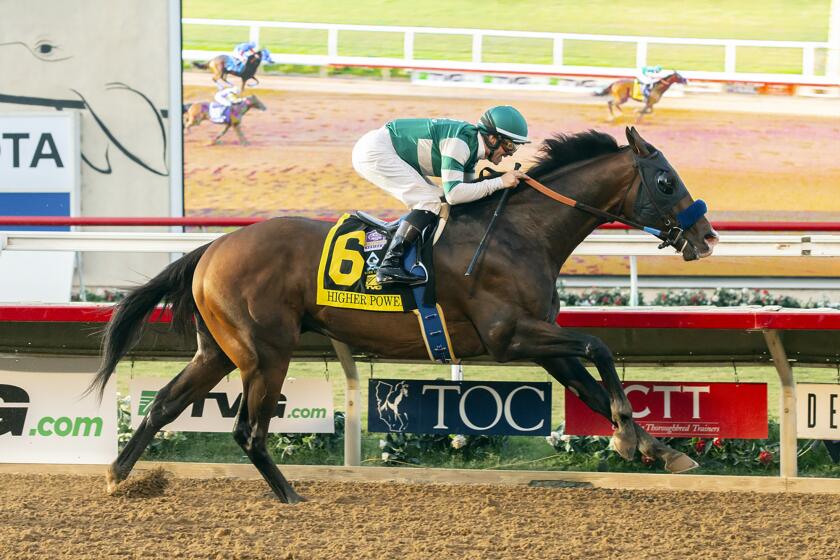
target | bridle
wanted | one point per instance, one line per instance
(654, 163)
(646, 202)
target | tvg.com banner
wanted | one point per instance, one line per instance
(459, 407)
(45, 419)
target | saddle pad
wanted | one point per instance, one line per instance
(216, 113)
(347, 271)
(637, 91)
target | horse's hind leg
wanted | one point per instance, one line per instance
(260, 393)
(571, 373)
(207, 368)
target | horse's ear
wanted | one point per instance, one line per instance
(636, 141)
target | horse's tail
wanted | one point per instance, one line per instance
(202, 65)
(173, 285)
(186, 107)
(603, 91)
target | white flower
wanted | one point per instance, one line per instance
(386, 456)
(566, 438)
(458, 441)
(382, 444)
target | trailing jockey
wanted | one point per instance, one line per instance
(648, 76)
(224, 100)
(400, 156)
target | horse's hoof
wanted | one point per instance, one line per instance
(293, 497)
(624, 446)
(111, 481)
(680, 463)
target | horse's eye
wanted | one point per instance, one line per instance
(665, 183)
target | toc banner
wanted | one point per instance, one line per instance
(305, 406)
(459, 407)
(818, 411)
(680, 409)
(45, 419)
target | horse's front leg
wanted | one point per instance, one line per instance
(218, 138)
(571, 373)
(242, 139)
(538, 340)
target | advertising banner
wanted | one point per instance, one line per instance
(818, 411)
(305, 406)
(459, 407)
(682, 409)
(39, 176)
(45, 419)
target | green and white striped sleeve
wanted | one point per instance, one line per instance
(454, 153)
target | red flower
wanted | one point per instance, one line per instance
(700, 446)
(765, 457)
(648, 460)
(717, 442)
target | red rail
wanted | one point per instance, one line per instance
(236, 221)
(735, 318)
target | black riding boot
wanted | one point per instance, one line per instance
(391, 270)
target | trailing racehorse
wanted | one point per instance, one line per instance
(196, 113)
(224, 64)
(622, 90)
(250, 295)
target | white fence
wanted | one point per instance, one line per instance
(808, 75)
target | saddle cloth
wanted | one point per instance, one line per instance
(233, 65)
(218, 113)
(350, 258)
(637, 94)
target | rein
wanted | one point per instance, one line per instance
(673, 237)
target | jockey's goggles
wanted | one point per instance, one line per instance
(508, 145)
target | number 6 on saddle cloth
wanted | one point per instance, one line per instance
(351, 255)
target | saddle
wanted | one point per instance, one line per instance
(351, 255)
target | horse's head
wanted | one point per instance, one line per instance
(254, 101)
(675, 78)
(660, 200)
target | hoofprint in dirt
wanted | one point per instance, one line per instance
(746, 166)
(156, 516)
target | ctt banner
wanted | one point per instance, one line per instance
(305, 406)
(681, 409)
(459, 407)
(818, 411)
(45, 419)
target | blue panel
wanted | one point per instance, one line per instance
(35, 204)
(459, 407)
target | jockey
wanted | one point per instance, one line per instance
(400, 156)
(242, 51)
(648, 76)
(227, 98)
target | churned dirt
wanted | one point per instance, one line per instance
(56, 516)
(746, 165)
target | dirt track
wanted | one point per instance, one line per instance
(51, 516)
(747, 166)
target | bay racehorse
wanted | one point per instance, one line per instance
(196, 113)
(250, 295)
(622, 90)
(220, 66)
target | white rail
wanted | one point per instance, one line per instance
(808, 74)
(597, 244)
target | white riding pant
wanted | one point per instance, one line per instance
(375, 159)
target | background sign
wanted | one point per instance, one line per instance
(305, 406)
(466, 407)
(44, 419)
(818, 411)
(39, 176)
(680, 409)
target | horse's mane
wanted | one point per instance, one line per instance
(561, 150)
(565, 149)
